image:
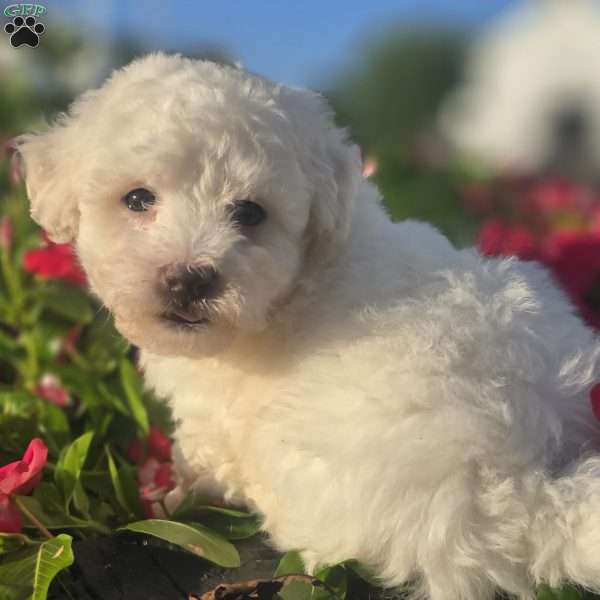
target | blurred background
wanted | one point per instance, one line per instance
(481, 117)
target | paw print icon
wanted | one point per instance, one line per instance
(24, 31)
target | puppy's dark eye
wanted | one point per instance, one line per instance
(247, 213)
(139, 200)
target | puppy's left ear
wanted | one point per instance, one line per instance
(335, 173)
(331, 164)
(53, 205)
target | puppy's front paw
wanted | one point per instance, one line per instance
(174, 498)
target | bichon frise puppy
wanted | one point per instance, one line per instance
(372, 392)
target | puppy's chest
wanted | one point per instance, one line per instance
(214, 404)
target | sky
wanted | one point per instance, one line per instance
(294, 41)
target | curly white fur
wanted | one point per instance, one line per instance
(371, 391)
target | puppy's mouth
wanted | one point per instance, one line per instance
(184, 319)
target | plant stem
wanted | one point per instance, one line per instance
(164, 507)
(32, 518)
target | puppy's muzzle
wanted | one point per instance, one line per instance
(186, 289)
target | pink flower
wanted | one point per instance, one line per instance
(6, 233)
(19, 478)
(49, 387)
(67, 344)
(55, 261)
(556, 196)
(155, 472)
(155, 480)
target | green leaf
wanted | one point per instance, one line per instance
(8, 347)
(193, 537)
(52, 519)
(49, 497)
(53, 556)
(67, 301)
(111, 399)
(336, 580)
(102, 345)
(290, 564)
(567, 592)
(18, 403)
(231, 524)
(9, 542)
(17, 573)
(70, 464)
(14, 591)
(363, 572)
(297, 590)
(54, 426)
(131, 382)
(80, 499)
(125, 487)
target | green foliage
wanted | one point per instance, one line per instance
(68, 469)
(52, 557)
(193, 537)
(290, 564)
(28, 574)
(389, 101)
(395, 85)
(125, 488)
(231, 524)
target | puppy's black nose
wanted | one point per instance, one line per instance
(186, 284)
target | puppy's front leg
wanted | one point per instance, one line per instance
(192, 481)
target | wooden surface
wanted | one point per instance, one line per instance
(134, 567)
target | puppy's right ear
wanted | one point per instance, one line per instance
(53, 205)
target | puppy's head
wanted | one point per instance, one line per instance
(197, 196)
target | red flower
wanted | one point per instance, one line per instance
(575, 260)
(55, 261)
(491, 237)
(49, 387)
(155, 480)
(498, 239)
(158, 446)
(19, 478)
(10, 517)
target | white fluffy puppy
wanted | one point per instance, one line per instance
(368, 389)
